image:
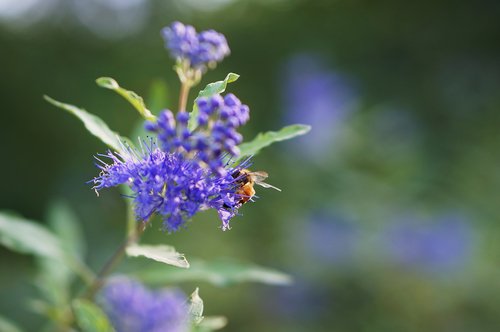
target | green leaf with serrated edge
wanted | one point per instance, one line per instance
(132, 97)
(263, 140)
(219, 272)
(29, 237)
(195, 307)
(8, 326)
(95, 125)
(210, 89)
(161, 253)
(90, 318)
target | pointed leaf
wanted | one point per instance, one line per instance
(160, 253)
(65, 224)
(196, 307)
(8, 326)
(90, 318)
(210, 89)
(95, 125)
(54, 278)
(219, 272)
(265, 139)
(132, 97)
(29, 237)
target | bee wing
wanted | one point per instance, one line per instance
(258, 176)
(267, 185)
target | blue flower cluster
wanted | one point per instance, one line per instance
(172, 184)
(131, 307)
(200, 49)
(215, 136)
(185, 170)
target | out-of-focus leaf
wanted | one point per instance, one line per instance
(196, 307)
(211, 323)
(95, 125)
(28, 237)
(132, 97)
(58, 314)
(54, 277)
(53, 281)
(265, 139)
(8, 326)
(220, 273)
(65, 224)
(90, 317)
(158, 96)
(161, 253)
(210, 89)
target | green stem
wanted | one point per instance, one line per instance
(83, 271)
(113, 261)
(183, 96)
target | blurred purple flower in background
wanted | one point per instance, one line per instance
(131, 307)
(443, 244)
(328, 238)
(306, 301)
(314, 94)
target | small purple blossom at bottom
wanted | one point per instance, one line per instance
(132, 307)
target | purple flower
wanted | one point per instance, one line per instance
(199, 49)
(132, 307)
(171, 184)
(306, 301)
(437, 245)
(330, 238)
(316, 95)
(214, 138)
(190, 171)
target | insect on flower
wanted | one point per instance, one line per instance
(245, 180)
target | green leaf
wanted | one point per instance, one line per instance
(219, 272)
(54, 277)
(29, 237)
(158, 96)
(132, 97)
(210, 89)
(201, 323)
(90, 317)
(265, 139)
(8, 326)
(161, 253)
(95, 125)
(196, 307)
(211, 323)
(65, 224)
(219, 86)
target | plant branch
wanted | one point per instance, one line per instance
(183, 96)
(114, 260)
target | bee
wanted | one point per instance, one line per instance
(246, 179)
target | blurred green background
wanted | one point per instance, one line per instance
(389, 215)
